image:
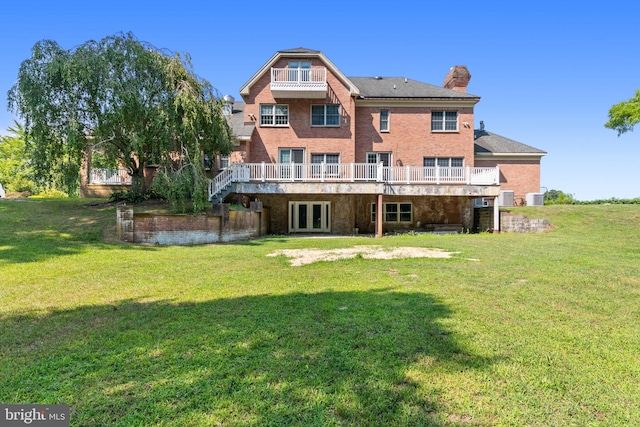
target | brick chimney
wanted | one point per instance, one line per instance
(457, 78)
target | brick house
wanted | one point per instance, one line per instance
(327, 153)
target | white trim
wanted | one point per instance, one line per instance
(509, 156)
(388, 129)
(273, 115)
(403, 102)
(246, 88)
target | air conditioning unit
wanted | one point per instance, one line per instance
(535, 199)
(480, 203)
(505, 198)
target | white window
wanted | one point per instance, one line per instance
(291, 166)
(384, 120)
(300, 64)
(379, 157)
(224, 162)
(325, 158)
(393, 212)
(325, 115)
(450, 168)
(291, 155)
(443, 162)
(274, 115)
(444, 121)
(299, 71)
(331, 164)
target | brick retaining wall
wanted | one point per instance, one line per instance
(222, 226)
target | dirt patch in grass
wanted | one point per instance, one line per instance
(300, 257)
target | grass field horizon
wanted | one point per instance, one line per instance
(514, 329)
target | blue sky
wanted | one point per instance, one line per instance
(547, 72)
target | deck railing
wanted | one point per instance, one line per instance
(352, 172)
(106, 176)
(298, 76)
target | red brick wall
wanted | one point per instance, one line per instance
(410, 137)
(299, 133)
(519, 176)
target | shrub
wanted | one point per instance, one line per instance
(129, 196)
(51, 193)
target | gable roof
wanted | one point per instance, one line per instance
(303, 53)
(491, 144)
(400, 87)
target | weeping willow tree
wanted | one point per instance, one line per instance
(136, 104)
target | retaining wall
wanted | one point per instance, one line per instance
(221, 226)
(514, 223)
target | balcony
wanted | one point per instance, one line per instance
(309, 83)
(372, 177)
(102, 176)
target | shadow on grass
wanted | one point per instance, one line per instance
(32, 230)
(299, 359)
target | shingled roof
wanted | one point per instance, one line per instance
(400, 87)
(487, 143)
(241, 130)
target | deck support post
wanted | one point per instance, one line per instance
(379, 216)
(496, 215)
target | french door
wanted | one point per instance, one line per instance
(309, 217)
(375, 158)
(291, 163)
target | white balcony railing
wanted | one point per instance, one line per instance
(299, 79)
(109, 176)
(351, 172)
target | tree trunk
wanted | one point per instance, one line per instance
(137, 180)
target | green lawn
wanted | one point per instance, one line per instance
(514, 330)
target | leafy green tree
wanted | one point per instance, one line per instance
(15, 170)
(557, 197)
(134, 103)
(625, 115)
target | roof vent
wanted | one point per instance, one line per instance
(482, 125)
(405, 80)
(227, 108)
(378, 78)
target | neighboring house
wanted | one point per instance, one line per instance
(328, 153)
